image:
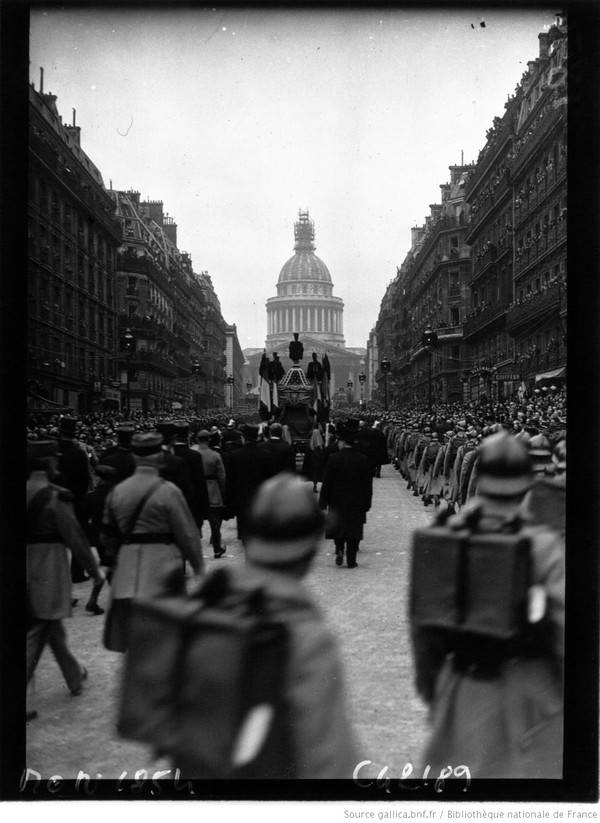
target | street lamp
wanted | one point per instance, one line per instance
(128, 344)
(429, 341)
(361, 379)
(386, 367)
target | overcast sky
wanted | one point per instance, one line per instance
(238, 118)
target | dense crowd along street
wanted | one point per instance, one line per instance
(405, 461)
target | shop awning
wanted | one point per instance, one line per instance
(555, 374)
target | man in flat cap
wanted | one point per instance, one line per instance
(52, 529)
(159, 533)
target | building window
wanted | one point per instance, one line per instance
(454, 316)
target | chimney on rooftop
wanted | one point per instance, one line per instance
(544, 39)
(74, 118)
(41, 80)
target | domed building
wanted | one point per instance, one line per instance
(304, 301)
(305, 304)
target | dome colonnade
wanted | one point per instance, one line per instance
(304, 301)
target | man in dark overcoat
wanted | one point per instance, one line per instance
(346, 491)
(195, 465)
(283, 456)
(121, 456)
(246, 468)
(74, 471)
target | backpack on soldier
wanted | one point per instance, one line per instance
(204, 682)
(470, 583)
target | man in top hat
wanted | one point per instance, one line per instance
(120, 455)
(173, 467)
(347, 490)
(159, 530)
(246, 468)
(198, 502)
(214, 476)
(52, 530)
(493, 706)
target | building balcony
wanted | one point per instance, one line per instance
(148, 358)
(449, 332)
(483, 317)
(537, 132)
(550, 238)
(521, 316)
(482, 207)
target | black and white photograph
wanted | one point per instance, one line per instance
(296, 400)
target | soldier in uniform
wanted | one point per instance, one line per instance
(163, 533)
(314, 370)
(296, 350)
(346, 491)
(276, 370)
(497, 706)
(52, 529)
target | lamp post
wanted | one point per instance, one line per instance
(128, 343)
(349, 386)
(230, 382)
(386, 367)
(361, 379)
(429, 340)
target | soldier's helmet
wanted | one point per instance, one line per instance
(283, 515)
(504, 467)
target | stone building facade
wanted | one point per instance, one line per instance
(430, 291)
(487, 272)
(173, 314)
(71, 278)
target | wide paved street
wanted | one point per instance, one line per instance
(365, 607)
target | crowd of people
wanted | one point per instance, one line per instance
(124, 499)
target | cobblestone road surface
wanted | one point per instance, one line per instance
(365, 607)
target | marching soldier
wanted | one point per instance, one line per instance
(157, 532)
(52, 529)
(496, 695)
